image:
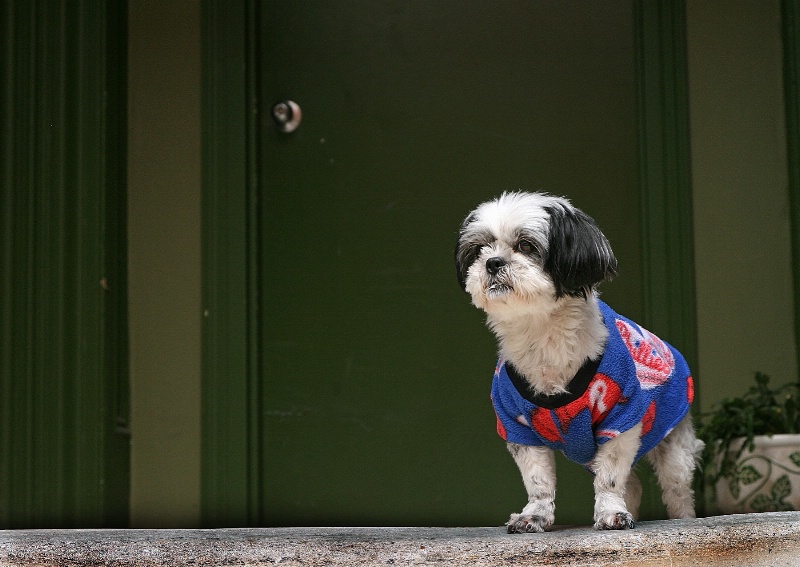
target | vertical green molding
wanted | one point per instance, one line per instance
(665, 176)
(255, 275)
(229, 434)
(116, 353)
(790, 12)
(63, 359)
(6, 252)
(665, 184)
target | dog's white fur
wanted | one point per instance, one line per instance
(532, 262)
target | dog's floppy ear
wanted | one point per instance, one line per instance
(465, 253)
(579, 256)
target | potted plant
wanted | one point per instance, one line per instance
(752, 455)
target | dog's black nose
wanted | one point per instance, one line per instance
(494, 264)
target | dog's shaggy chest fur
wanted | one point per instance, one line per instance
(532, 262)
(549, 352)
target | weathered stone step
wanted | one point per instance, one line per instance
(754, 540)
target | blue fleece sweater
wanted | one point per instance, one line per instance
(639, 378)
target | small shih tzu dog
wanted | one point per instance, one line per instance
(573, 375)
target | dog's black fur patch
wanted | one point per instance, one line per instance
(579, 256)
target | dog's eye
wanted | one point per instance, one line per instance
(525, 246)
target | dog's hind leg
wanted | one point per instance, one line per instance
(674, 460)
(612, 468)
(633, 494)
(538, 468)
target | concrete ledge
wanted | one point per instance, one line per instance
(752, 540)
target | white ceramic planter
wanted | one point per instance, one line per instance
(765, 480)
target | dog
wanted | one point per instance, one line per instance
(573, 375)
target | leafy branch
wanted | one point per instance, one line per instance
(760, 411)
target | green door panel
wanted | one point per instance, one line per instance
(374, 369)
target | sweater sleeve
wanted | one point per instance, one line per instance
(513, 416)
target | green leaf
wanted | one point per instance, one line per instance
(733, 486)
(782, 488)
(795, 457)
(748, 475)
(763, 503)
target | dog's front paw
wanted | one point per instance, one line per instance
(526, 524)
(614, 521)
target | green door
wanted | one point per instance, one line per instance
(364, 390)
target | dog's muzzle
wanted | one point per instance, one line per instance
(498, 285)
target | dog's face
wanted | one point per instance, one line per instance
(525, 251)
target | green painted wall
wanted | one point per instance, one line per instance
(164, 262)
(745, 294)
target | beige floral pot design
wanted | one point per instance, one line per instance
(764, 480)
